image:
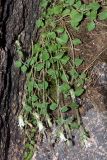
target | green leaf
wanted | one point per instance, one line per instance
(94, 6)
(74, 73)
(39, 23)
(64, 77)
(28, 108)
(87, 8)
(79, 92)
(60, 121)
(51, 35)
(39, 66)
(66, 12)
(36, 85)
(78, 62)
(53, 73)
(76, 41)
(44, 4)
(57, 9)
(70, 2)
(48, 64)
(74, 105)
(64, 88)
(68, 120)
(77, 5)
(63, 39)
(44, 35)
(74, 125)
(52, 47)
(60, 30)
(49, 12)
(30, 86)
(28, 62)
(33, 60)
(103, 15)
(64, 109)
(83, 76)
(76, 18)
(36, 48)
(53, 106)
(18, 64)
(91, 26)
(79, 82)
(88, 13)
(64, 60)
(41, 105)
(45, 56)
(23, 68)
(34, 98)
(75, 24)
(75, 13)
(43, 85)
(93, 15)
(52, 23)
(83, 8)
(59, 56)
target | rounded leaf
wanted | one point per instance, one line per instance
(64, 87)
(64, 109)
(63, 39)
(39, 66)
(45, 56)
(91, 26)
(79, 92)
(24, 68)
(53, 106)
(78, 62)
(76, 41)
(18, 64)
(103, 15)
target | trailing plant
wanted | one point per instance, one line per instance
(54, 81)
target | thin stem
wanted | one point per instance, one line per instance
(71, 43)
(96, 57)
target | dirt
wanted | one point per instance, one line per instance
(94, 52)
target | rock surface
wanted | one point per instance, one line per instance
(95, 148)
(94, 119)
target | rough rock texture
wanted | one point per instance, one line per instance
(94, 120)
(95, 148)
(17, 19)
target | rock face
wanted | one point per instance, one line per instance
(17, 19)
(94, 149)
(94, 120)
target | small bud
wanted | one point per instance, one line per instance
(72, 93)
(62, 137)
(40, 126)
(36, 115)
(21, 122)
(49, 122)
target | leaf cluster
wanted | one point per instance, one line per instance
(51, 71)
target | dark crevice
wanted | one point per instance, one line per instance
(6, 11)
